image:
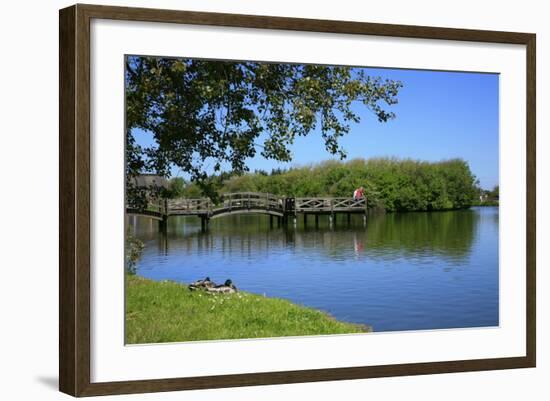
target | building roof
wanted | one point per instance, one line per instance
(150, 181)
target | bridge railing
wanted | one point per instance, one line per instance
(312, 205)
(306, 205)
(252, 200)
(189, 206)
(349, 204)
(150, 207)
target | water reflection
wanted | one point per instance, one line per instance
(387, 236)
(401, 271)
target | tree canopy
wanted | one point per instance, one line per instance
(390, 184)
(205, 114)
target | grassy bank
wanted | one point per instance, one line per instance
(168, 312)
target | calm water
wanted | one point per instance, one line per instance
(405, 271)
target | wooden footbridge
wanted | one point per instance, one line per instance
(282, 209)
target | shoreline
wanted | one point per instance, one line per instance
(167, 311)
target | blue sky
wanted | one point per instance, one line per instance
(440, 115)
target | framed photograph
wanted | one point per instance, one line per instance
(250, 200)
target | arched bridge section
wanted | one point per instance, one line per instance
(252, 203)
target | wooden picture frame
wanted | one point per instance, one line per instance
(75, 207)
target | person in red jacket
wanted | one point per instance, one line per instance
(358, 193)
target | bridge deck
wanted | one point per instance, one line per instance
(251, 203)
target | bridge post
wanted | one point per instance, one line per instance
(365, 215)
(204, 222)
(305, 219)
(163, 225)
(270, 221)
(332, 216)
(163, 242)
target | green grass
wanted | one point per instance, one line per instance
(166, 311)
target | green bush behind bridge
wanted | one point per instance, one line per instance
(390, 184)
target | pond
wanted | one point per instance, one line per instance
(401, 271)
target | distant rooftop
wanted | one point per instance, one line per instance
(150, 180)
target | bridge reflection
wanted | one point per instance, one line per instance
(390, 236)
